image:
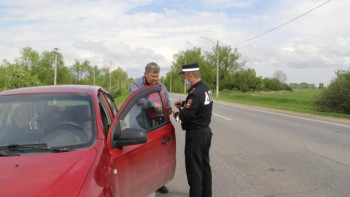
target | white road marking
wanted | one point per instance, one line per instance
(287, 115)
(222, 116)
(281, 114)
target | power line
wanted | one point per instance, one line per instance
(208, 40)
(239, 43)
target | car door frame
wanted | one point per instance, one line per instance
(143, 167)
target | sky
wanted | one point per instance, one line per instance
(309, 40)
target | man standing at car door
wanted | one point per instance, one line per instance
(151, 77)
(195, 115)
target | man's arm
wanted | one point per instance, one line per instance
(133, 87)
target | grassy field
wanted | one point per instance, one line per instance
(297, 101)
(120, 100)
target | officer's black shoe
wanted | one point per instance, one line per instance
(163, 190)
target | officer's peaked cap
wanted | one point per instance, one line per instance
(190, 67)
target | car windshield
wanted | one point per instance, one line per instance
(58, 120)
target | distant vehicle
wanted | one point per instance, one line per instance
(73, 141)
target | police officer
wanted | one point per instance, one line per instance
(195, 115)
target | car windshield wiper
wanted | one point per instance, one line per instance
(42, 146)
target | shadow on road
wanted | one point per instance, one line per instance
(171, 194)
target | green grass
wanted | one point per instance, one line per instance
(120, 99)
(296, 101)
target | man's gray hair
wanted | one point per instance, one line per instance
(152, 66)
(196, 74)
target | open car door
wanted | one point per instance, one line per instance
(142, 143)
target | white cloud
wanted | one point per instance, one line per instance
(132, 33)
(224, 4)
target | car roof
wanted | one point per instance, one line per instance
(84, 89)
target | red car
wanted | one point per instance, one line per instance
(73, 141)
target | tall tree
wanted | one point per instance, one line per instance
(280, 76)
(103, 77)
(80, 71)
(228, 63)
(5, 73)
(45, 68)
(119, 82)
(29, 59)
(186, 57)
(246, 80)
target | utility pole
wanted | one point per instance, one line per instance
(184, 81)
(217, 65)
(170, 80)
(110, 81)
(55, 78)
(217, 69)
(184, 88)
(94, 75)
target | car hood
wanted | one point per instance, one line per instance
(52, 174)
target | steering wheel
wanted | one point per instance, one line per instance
(65, 133)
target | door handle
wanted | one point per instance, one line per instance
(164, 141)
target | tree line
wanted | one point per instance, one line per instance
(232, 72)
(233, 76)
(34, 69)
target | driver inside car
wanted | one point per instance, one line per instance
(22, 129)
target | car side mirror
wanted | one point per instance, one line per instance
(129, 136)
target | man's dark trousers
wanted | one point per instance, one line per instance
(197, 161)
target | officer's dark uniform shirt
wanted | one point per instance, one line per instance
(196, 112)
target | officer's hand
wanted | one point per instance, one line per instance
(175, 112)
(178, 103)
(176, 115)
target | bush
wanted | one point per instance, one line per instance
(336, 97)
(22, 79)
(274, 85)
(115, 93)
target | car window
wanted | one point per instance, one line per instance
(144, 114)
(55, 119)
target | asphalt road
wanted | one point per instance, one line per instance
(262, 153)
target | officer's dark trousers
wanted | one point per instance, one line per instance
(198, 163)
